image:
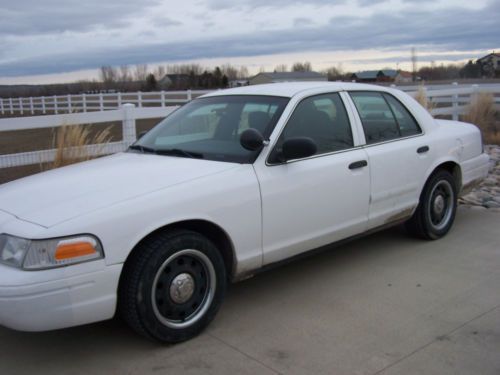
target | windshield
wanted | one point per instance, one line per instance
(210, 128)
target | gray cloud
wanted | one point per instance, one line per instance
(302, 21)
(456, 29)
(425, 57)
(225, 4)
(49, 16)
(162, 21)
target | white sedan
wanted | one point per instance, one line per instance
(227, 185)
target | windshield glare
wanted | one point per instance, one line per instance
(211, 127)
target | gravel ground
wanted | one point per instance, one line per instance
(487, 194)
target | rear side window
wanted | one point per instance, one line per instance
(383, 117)
(407, 124)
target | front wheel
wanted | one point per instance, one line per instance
(172, 286)
(436, 211)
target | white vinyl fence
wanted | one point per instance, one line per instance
(450, 100)
(94, 102)
(127, 114)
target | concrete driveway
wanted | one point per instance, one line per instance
(385, 304)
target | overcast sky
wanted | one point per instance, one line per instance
(64, 40)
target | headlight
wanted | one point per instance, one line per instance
(57, 252)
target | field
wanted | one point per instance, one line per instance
(42, 139)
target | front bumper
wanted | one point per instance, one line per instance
(58, 298)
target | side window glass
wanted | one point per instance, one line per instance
(377, 118)
(407, 124)
(322, 118)
(257, 116)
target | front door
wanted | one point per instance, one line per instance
(311, 202)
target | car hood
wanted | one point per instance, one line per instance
(61, 194)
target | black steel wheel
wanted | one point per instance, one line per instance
(436, 211)
(172, 286)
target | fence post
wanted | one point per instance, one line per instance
(475, 91)
(11, 106)
(43, 105)
(69, 103)
(190, 95)
(128, 124)
(1, 106)
(454, 103)
(21, 105)
(84, 102)
(162, 98)
(139, 98)
(32, 109)
(55, 105)
(101, 102)
(119, 99)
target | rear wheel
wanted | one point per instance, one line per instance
(172, 286)
(437, 207)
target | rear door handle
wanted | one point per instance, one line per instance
(358, 164)
(423, 149)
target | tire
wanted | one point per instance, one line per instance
(437, 207)
(172, 286)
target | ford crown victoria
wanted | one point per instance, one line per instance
(229, 184)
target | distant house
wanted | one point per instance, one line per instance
(276, 77)
(238, 83)
(404, 77)
(174, 81)
(490, 65)
(366, 76)
(384, 75)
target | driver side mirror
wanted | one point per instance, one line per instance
(296, 148)
(251, 139)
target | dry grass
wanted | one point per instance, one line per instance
(481, 112)
(71, 144)
(421, 98)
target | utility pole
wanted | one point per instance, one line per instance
(414, 63)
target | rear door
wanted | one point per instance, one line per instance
(398, 155)
(317, 200)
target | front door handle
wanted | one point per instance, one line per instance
(423, 149)
(358, 164)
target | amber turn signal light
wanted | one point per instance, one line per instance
(74, 250)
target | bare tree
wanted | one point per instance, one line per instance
(229, 71)
(281, 68)
(108, 74)
(334, 73)
(141, 72)
(243, 72)
(160, 72)
(187, 69)
(125, 75)
(302, 67)
(414, 64)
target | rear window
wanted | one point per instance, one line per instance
(383, 117)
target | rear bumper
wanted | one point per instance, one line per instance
(474, 171)
(52, 299)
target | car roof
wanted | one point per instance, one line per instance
(290, 89)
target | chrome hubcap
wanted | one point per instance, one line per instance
(439, 205)
(182, 288)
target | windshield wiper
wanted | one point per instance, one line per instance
(169, 152)
(179, 152)
(143, 149)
